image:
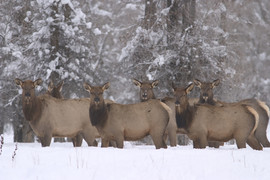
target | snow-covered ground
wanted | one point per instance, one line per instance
(138, 162)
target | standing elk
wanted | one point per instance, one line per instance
(204, 122)
(50, 117)
(207, 96)
(55, 91)
(129, 122)
(146, 93)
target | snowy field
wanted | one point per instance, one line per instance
(134, 162)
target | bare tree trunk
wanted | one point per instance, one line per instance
(172, 20)
(185, 15)
(1, 127)
(188, 14)
(192, 15)
(150, 14)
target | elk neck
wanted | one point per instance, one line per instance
(98, 113)
(33, 109)
(184, 115)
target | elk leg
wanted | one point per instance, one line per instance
(196, 144)
(214, 144)
(112, 143)
(119, 141)
(158, 141)
(203, 142)
(241, 143)
(89, 138)
(165, 136)
(172, 137)
(253, 143)
(262, 138)
(77, 140)
(104, 142)
(46, 140)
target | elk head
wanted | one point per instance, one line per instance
(181, 94)
(98, 112)
(55, 91)
(146, 89)
(28, 87)
(206, 90)
(183, 114)
(96, 92)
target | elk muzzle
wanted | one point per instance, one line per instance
(27, 98)
(96, 99)
(144, 95)
(177, 103)
(205, 97)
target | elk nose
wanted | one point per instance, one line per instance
(96, 99)
(177, 103)
(205, 95)
(27, 94)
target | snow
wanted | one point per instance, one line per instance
(144, 162)
(132, 6)
(97, 31)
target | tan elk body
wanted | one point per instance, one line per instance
(55, 91)
(127, 122)
(146, 93)
(50, 117)
(203, 122)
(207, 96)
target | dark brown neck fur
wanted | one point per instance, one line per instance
(98, 114)
(33, 110)
(184, 117)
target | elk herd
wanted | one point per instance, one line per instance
(205, 120)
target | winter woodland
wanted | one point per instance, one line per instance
(99, 41)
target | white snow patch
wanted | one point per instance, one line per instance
(17, 54)
(101, 12)
(97, 31)
(131, 6)
(88, 25)
(79, 17)
(144, 162)
(262, 56)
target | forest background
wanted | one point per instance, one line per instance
(97, 41)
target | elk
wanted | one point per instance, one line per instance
(146, 89)
(146, 93)
(55, 91)
(50, 117)
(204, 122)
(131, 122)
(207, 96)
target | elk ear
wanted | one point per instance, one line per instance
(189, 88)
(18, 82)
(87, 87)
(60, 86)
(173, 86)
(215, 83)
(154, 83)
(106, 86)
(50, 87)
(197, 83)
(37, 82)
(136, 82)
